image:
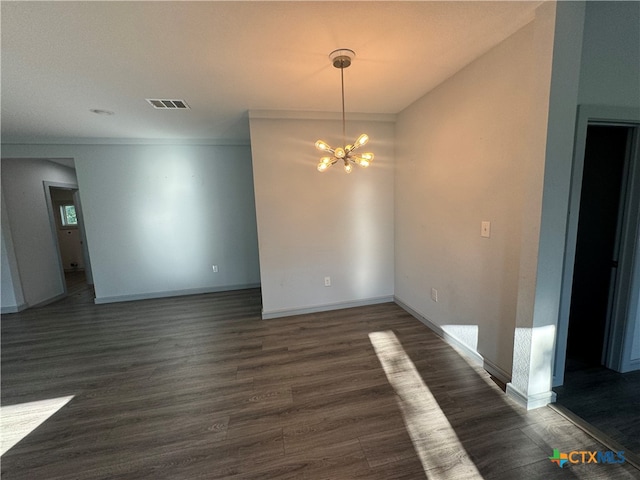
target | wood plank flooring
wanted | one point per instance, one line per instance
(77, 289)
(200, 387)
(608, 400)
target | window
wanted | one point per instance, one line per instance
(68, 215)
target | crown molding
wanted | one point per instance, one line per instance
(123, 141)
(313, 115)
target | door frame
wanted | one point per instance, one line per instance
(83, 237)
(54, 226)
(620, 330)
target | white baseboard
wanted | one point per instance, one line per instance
(172, 293)
(24, 306)
(48, 300)
(13, 308)
(631, 366)
(288, 312)
(472, 355)
(496, 371)
(530, 402)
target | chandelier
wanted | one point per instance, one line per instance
(341, 59)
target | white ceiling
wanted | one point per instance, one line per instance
(61, 59)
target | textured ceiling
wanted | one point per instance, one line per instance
(62, 59)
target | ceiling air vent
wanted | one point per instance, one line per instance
(162, 104)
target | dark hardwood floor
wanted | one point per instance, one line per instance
(77, 289)
(607, 400)
(201, 387)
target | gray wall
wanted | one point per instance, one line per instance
(157, 217)
(312, 225)
(610, 66)
(32, 240)
(11, 288)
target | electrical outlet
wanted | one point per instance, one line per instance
(434, 294)
(215, 268)
(327, 281)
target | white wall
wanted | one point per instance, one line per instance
(32, 238)
(312, 224)
(157, 217)
(12, 299)
(472, 150)
(610, 76)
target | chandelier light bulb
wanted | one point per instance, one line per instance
(367, 156)
(325, 160)
(323, 146)
(347, 167)
(322, 167)
(339, 152)
(362, 140)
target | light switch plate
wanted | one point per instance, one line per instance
(485, 229)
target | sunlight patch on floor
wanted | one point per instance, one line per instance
(18, 421)
(434, 439)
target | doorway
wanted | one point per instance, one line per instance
(595, 272)
(65, 215)
(596, 338)
(595, 375)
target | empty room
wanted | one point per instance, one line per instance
(309, 240)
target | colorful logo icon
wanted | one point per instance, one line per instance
(559, 458)
(583, 456)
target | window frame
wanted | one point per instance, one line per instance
(62, 209)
